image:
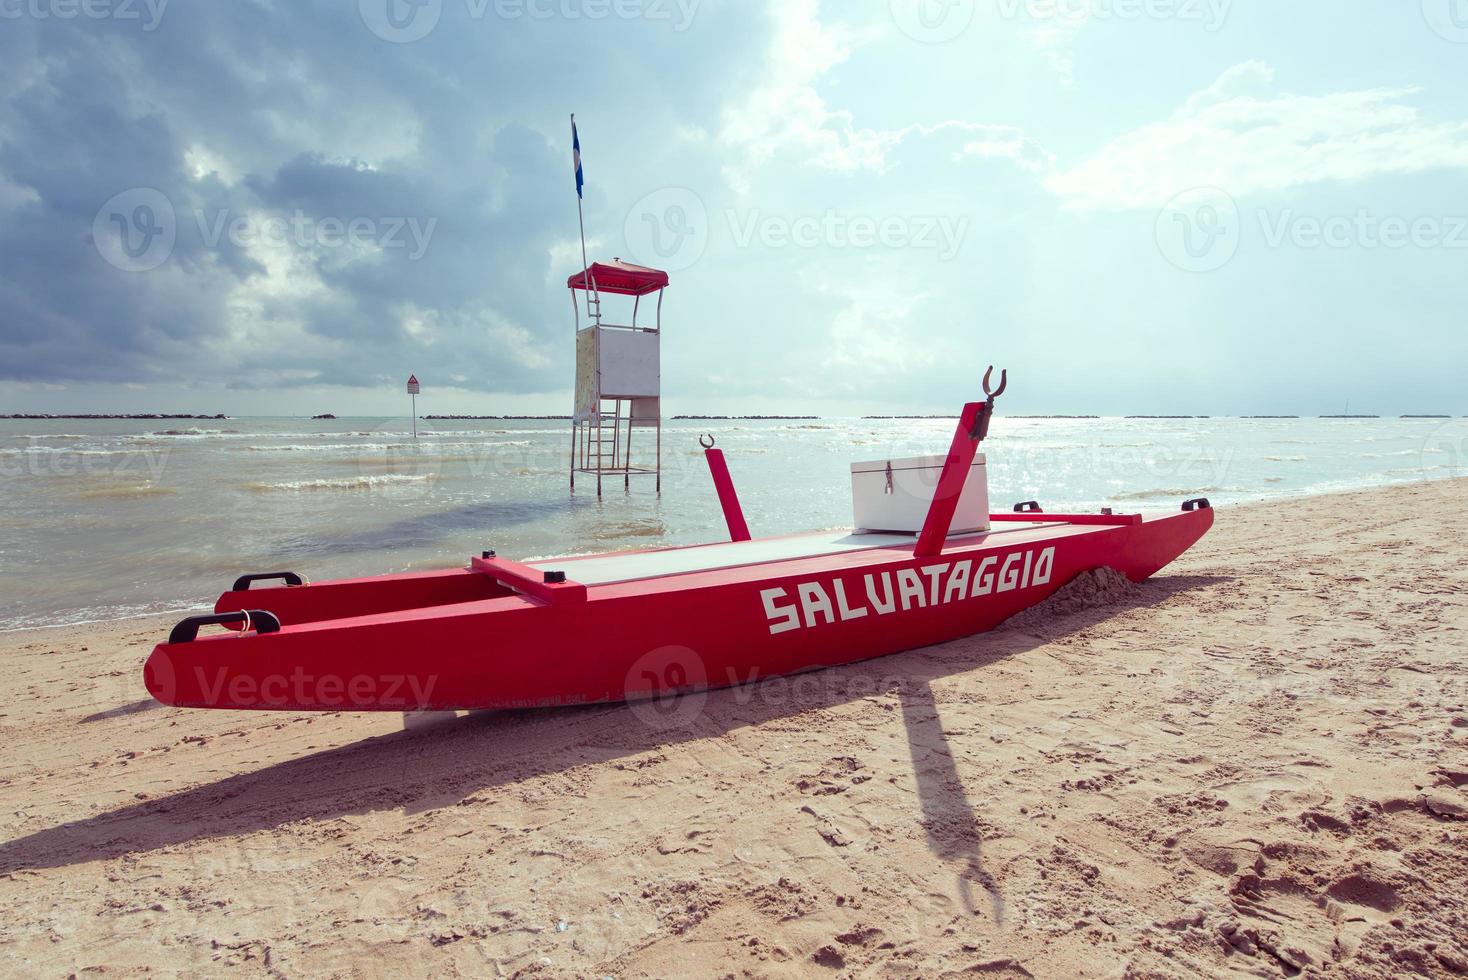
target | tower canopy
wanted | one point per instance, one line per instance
(619, 277)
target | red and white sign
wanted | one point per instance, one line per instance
(412, 384)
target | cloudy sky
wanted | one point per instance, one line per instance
(284, 206)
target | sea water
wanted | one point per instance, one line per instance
(101, 519)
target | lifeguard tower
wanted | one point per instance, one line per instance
(618, 375)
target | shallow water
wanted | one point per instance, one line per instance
(101, 519)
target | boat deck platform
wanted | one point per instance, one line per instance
(634, 566)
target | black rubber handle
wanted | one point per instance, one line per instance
(1201, 503)
(290, 578)
(1028, 507)
(260, 621)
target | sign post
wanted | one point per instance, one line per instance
(413, 389)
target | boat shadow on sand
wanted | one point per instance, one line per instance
(441, 766)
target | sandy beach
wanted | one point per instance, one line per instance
(1253, 763)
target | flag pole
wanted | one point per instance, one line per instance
(580, 217)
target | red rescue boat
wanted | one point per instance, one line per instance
(598, 628)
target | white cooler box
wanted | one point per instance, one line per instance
(894, 494)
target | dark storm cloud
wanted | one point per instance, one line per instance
(233, 146)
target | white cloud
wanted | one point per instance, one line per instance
(1054, 36)
(1010, 143)
(787, 115)
(1242, 136)
(786, 112)
(872, 337)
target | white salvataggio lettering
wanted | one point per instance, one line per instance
(813, 602)
(958, 581)
(983, 579)
(846, 611)
(820, 603)
(784, 614)
(910, 587)
(1044, 567)
(888, 602)
(1008, 577)
(934, 572)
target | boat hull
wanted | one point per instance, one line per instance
(360, 646)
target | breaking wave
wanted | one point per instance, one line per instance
(186, 434)
(145, 490)
(347, 483)
(1165, 492)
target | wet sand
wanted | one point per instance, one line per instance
(1253, 763)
